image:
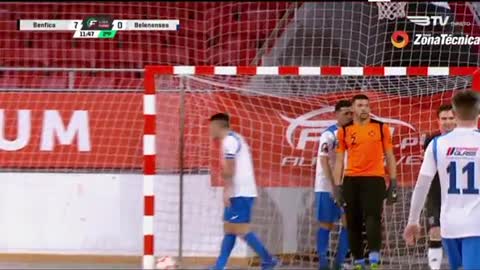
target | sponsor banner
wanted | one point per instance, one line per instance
(104, 131)
(283, 134)
(71, 130)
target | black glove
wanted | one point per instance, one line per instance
(392, 192)
(338, 195)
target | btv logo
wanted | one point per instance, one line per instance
(400, 39)
(429, 20)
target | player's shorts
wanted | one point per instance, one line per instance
(463, 252)
(327, 210)
(433, 205)
(239, 211)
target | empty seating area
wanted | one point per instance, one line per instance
(221, 33)
(68, 81)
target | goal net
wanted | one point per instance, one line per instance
(281, 111)
(242, 33)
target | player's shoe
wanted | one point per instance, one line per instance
(374, 266)
(344, 266)
(270, 265)
(358, 267)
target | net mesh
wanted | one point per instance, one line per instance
(281, 119)
(70, 122)
(246, 33)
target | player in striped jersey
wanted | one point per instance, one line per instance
(456, 158)
(240, 191)
(328, 212)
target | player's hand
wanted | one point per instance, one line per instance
(338, 195)
(411, 234)
(392, 192)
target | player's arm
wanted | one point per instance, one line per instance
(389, 155)
(327, 140)
(424, 180)
(230, 149)
(339, 158)
(228, 172)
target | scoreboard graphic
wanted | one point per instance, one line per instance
(99, 26)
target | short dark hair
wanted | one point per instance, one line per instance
(466, 105)
(344, 103)
(359, 97)
(444, 108)
(221, 117)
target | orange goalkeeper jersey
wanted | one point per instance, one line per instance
(366, 145)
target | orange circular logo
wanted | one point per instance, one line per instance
(400, 39)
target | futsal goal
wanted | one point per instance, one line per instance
(281, 111)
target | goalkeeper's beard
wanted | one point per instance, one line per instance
(363, 116)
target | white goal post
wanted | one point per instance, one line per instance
(280, 110)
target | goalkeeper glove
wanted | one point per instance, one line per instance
(338, 195)
(392, 192)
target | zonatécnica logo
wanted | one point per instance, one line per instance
(445, 39)
(400, 39)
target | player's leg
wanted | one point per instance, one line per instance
(354, 214)
(240, 226)
(453, 247)
(325, 206)
(229, 238)
(343, 244)
(435, 250)
(471, 253)
(373, 195)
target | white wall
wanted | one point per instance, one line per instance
(102, 214)
(70, 213)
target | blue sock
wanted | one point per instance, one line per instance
(255, 243)
(342, 247)
(227, 245)
(323, 237)
(374, 257)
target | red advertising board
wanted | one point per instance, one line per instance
(101, 131)
(283, 133)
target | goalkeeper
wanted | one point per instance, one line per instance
(367, 142)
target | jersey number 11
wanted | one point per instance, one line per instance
(469, 170)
